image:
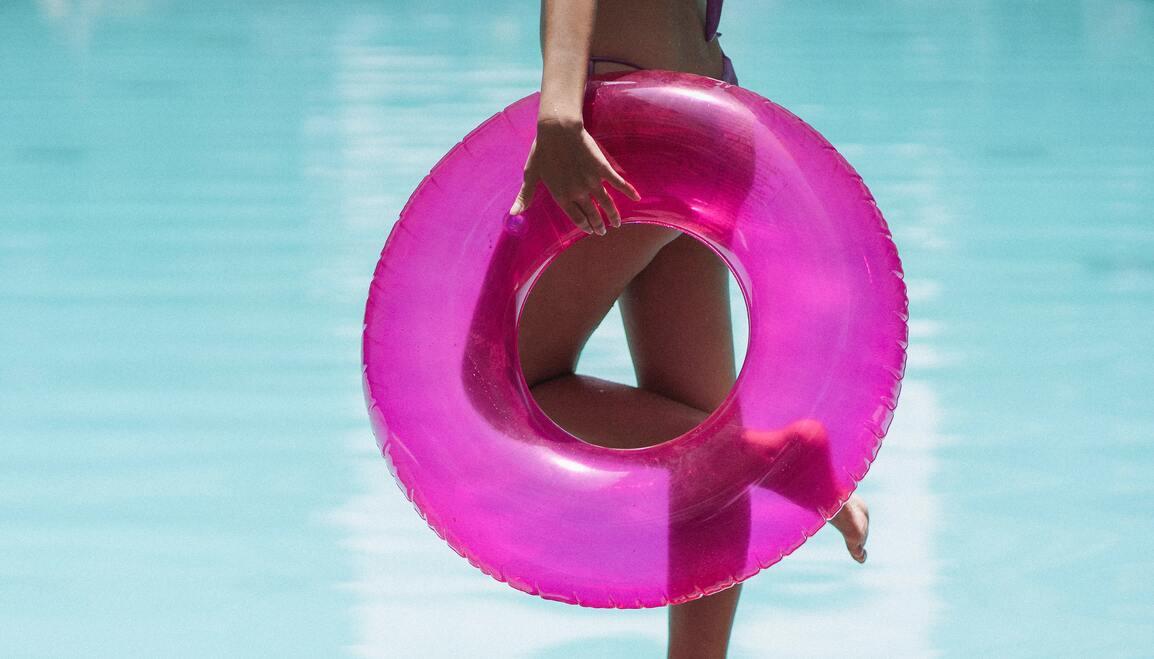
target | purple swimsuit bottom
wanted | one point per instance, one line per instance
(727, 75)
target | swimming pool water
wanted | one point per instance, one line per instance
(193, 197)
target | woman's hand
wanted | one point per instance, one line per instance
(572, 166)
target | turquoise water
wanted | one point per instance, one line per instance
(192, 200)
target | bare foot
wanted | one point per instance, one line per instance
(816, 491)
(806, 431)
(853, 520)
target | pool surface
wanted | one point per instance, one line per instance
(193, 196)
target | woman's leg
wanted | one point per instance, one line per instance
(666, 279)
(613, 414)
(677, 321)
(576, 291)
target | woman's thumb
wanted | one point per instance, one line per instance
(525, 196)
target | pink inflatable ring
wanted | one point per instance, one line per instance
(549, 514)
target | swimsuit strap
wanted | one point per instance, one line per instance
(727, 75)
(594, 59)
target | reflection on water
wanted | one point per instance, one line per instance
(193, 197)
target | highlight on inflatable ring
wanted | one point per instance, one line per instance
(531, 505)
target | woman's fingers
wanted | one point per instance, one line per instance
(607, 205)
(577, 214)
(609, 172)
(591, 212)
(621, 184)
(528, 184)
(582, 211)
(524, 196)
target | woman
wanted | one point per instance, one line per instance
(673, 290)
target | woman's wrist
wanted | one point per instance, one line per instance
(560, 121)
(562, 90)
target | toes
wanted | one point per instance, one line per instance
(857, 552)
(853, 523)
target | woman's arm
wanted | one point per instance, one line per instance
(566, 31)
(564, 156)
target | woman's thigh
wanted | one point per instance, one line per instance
(677, 321)
(576, 291)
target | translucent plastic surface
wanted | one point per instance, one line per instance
(533, 506)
